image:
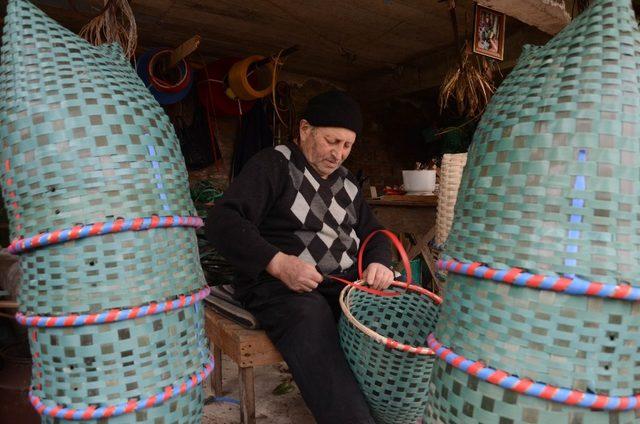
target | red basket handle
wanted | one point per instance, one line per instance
(403, 257)
(397, 245)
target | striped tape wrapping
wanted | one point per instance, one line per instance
(518, 277)
(113, 315)
(531, 388)
(102, 228)
(92, 412)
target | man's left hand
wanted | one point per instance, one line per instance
(378, 276)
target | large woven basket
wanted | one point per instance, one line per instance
(97, 196)
(540, 322)
(382, 337)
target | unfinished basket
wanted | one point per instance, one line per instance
(540, 322)
(97, 196)
(383, 341)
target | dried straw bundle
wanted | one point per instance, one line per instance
(114, 24)
(470, 85)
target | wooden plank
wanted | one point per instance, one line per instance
(405, 200)
(245, 347)
(247, 396)
(216, 379)
(219, 336)
(259, 352)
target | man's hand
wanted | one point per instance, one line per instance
(295, 273)
(378, 276)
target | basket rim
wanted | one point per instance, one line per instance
(377, 337)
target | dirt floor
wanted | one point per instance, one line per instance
(271, 408)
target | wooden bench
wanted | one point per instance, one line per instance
(247, 348)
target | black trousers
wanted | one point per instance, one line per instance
(303, 328)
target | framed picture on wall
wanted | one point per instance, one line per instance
(488, 33)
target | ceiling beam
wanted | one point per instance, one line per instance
(547, 16)
(430, 70)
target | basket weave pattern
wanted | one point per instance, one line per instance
(550, 187)
(450, 177)
(83, 141)
(394, 383)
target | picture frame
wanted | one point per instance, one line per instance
(489, 32)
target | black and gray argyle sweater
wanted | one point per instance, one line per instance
(280, 203)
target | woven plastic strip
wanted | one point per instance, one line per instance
(530, 388)
(345, 301)
(517, 277)
(110, 364)
(102, 228)
(391, 367)
(456, 397)
(91, 413)
(551, 182)
(590, 344)
(183, 409)
(382, 338)
(83, 141)
(114, 271)
(550, 187)
(113, 315)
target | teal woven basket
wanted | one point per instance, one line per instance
(97, 196)
(382, 336)
(541, 312)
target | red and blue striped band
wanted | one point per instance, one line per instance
(94, 413)
(531, 388)
(113, 315)
(102, 228)
(518, 277)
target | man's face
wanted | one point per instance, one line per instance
(325, 148)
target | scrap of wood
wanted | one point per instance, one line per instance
(183, 50)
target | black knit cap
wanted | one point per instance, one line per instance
(334, 109)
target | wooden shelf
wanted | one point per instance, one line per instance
(405, 200)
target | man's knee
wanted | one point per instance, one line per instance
(311, 307)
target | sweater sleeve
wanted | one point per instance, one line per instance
(232, 223)
(378, 249)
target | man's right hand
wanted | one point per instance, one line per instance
(298, 275)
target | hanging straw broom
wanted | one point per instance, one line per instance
(114, 24)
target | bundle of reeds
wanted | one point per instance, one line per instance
(469, 84)
(114, 24)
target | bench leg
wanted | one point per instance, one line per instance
(247, 396)
(216, 378)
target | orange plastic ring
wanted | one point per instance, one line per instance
(239, 80)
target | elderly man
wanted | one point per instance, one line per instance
(291, 218)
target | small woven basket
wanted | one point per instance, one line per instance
(383, 337)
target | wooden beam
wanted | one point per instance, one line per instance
(429, 71)
(547, 16)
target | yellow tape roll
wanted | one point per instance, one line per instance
(239, 80)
